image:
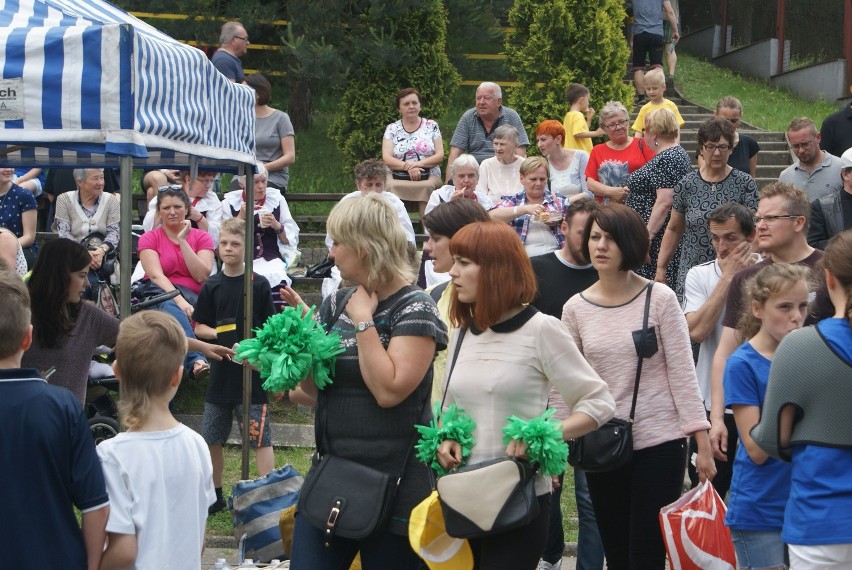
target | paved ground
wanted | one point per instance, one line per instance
(230, 554)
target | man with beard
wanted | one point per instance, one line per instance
(815, 171)
(561, 275)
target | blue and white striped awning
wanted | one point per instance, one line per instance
(84, 82)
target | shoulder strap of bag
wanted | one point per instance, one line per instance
(453, 365)
(341, 306)
(639, 364)
(438, 290)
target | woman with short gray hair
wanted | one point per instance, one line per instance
(611, 162)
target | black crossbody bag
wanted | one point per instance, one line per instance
(611, 445)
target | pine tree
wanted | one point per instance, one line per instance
(393, 44)
(557, 42)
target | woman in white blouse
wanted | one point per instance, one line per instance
(509, 356)
(413, 150)
(565, 167)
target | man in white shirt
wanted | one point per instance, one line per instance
(370, 177)
(705, 292)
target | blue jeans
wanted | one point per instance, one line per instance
(378, 552)
(590, 552)
(191, 357)
(759, 549)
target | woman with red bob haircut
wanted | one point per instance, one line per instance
(566, 168)
(524, 352)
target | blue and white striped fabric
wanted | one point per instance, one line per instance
(98, 84)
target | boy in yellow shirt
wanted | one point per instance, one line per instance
(578, 121)
(655, 87)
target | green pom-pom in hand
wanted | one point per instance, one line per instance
(452, 424)
(288, 348)
(543, 436)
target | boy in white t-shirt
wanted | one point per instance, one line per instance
(158, 473)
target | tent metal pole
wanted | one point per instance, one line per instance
(248, 311)
(125, 244)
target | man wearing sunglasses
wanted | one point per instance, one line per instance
(205, 210)
(234, 44)
(815, 171)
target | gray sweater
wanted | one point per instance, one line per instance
(92, 329)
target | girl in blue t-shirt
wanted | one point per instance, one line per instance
(760, 486)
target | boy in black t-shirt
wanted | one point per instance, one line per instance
(219, 313)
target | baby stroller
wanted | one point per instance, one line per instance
(101, 409)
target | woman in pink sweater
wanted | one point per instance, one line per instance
(669, 408)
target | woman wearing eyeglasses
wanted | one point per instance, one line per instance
(611, 162)
(696, 195)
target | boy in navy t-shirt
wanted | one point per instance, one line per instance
(48, 457)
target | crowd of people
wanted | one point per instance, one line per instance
(537, 272)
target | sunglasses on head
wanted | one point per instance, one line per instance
(170, 187)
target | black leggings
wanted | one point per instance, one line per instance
(627, 505)
(518, 549)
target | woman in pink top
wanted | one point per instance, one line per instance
(602, 319)
(177, 256)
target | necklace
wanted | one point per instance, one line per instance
(419, 123)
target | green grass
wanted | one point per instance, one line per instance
(300, 458)
(190, 400)
(763, 106)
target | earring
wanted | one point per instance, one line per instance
(656, 143)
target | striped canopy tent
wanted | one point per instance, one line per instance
(86, 84)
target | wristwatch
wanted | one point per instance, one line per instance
(362, 326)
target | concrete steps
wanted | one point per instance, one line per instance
(774, 155)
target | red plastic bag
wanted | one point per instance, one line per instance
(695, 533)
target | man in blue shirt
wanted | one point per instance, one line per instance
(48, 457)
(648, 38)
(234, 44)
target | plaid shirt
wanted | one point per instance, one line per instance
(553, 202)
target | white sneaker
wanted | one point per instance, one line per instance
(544, 565)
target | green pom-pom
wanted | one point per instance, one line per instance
(289, 347)
(452, 424)
(543, 436)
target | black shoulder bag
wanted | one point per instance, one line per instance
(611, 446)
(343, 497)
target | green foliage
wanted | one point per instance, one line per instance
(395, 44)
(557, 42)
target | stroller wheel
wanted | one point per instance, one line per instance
(103, 428)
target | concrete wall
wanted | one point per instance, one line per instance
(822, 81)
(705, 43)
(757, 60)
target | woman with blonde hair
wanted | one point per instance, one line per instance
(389, 331)
(652, 186)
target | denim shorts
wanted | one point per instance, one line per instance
(759, 549)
